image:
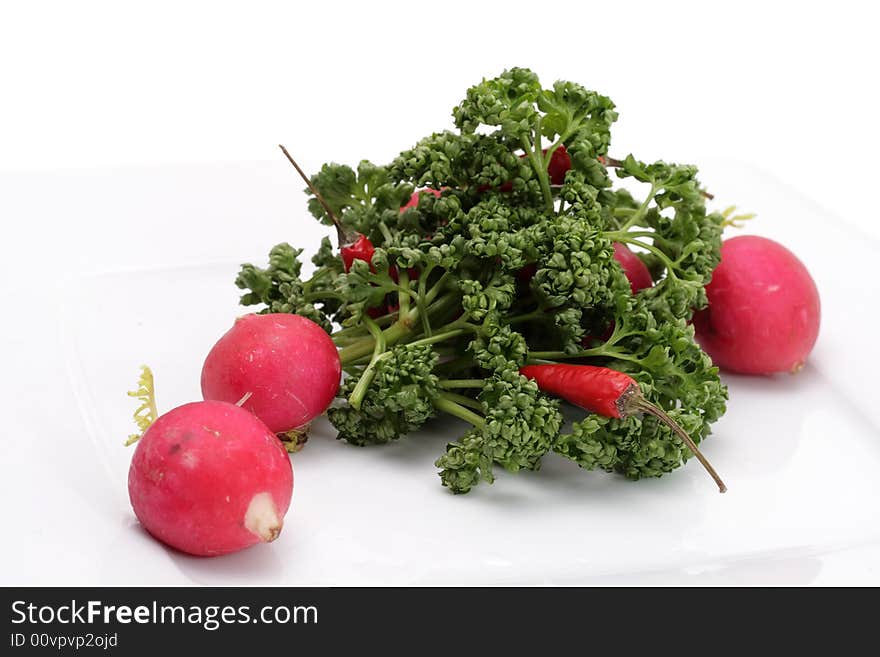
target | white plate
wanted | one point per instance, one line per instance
(800, 454)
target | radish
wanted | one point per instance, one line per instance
(636, 271)
(763, 313)
(287, 364)
(207, 478)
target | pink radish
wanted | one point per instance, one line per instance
(636, 271)
(209, 478)
(763, 314)
(287, 363)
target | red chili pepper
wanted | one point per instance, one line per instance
(609, 393)
(413, 201)
(560, 163)
(361, 249)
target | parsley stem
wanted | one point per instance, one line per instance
(443, 402)
(639, 214)
(468, 402)
(585, 353)
(440, 337)
(635, 233)
(539, 313)
(437, 288)
(386, 234)
(347, 340)
(452, 384)
(538, 164)
(360, 389)
(621, 236)
(420, 299)
(367, 344)
(403, 295)
(359, 331)
(318, 275)
(394, 333)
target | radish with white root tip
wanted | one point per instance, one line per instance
(209, 477)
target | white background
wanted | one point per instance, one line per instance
(107, 110)
(788, 86)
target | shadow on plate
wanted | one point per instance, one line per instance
(257, 564)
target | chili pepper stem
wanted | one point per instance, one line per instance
(632, 401)
(345, 237)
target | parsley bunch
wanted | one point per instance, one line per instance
(502, 265)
